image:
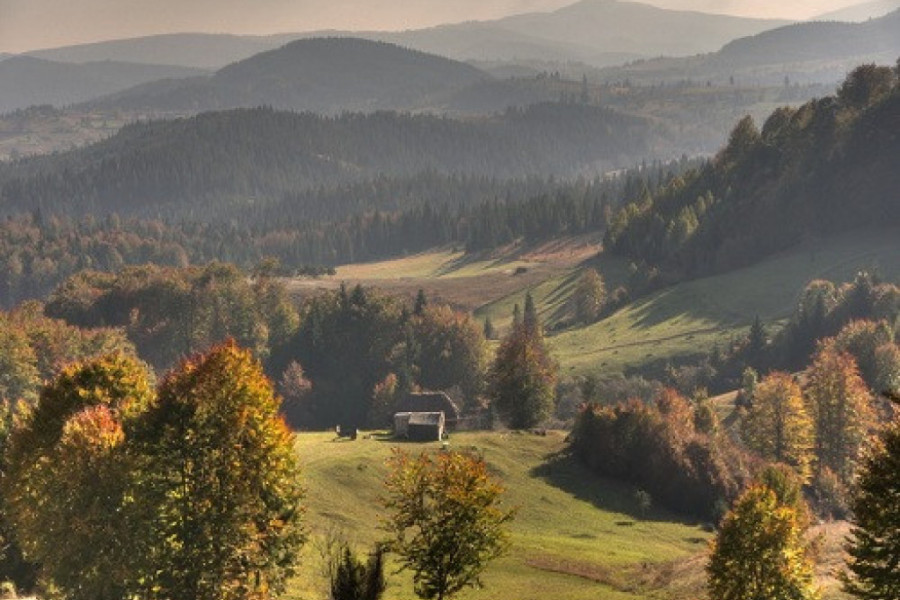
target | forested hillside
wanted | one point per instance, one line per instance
(828, 166)
(325, 75)
(256, 155)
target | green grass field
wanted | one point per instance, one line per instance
(688, 319)
(678, 322)
(574, 536)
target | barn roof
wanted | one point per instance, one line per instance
(429, 402)
(426, 418)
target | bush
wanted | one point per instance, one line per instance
(657, 447)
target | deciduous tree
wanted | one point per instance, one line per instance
(759, 552)
(778, 426)
(220, 484)
(446, 520)
(842, 412)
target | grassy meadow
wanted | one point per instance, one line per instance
(574, 536)
(678, 322)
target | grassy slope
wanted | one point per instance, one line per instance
(689, 318)
(574, 536)
(680, 321)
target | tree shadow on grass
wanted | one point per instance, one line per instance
(563, 470)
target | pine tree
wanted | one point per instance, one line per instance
(874, 544)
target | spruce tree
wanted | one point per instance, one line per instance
(874, 544)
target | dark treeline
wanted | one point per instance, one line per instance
(206, 165)
(827, 166)
(380, 218)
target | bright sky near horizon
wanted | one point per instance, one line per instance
(32, 24)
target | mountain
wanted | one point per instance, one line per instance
(196, 50)
(328, 75)
(27, 81)
(617, 26)
(861, 12)
(815, 52)
(598, 32)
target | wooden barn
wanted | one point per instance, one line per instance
(431, 402)
(420, 426)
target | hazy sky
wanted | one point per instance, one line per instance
(32, 24)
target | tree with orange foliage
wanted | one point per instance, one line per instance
(220, 482)
(778, 426)
(842, 412)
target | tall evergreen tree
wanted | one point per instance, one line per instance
(874, 544)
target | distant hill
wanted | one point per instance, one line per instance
(27, 81)
(327, 75)
(198, 166)
(617, 26)
(598, 32)
(817, 52)
(827, 167)
(861, 12)
(197, 50)
(817, 42)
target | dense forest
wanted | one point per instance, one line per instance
(310, 230)
(827, 166)
(203, 165)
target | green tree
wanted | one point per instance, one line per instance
(759, 552)
(220, 486)
(352, 579)
(778, 426)
(451, 351)
(522, 379)
(68, 483)
(865, 85)
(446, 520)
(874, 543)
(589, 296)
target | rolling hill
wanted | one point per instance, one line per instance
(327, 75)
(814, 52)
(599, 32)
(575, 536)
(861, 12)
(27, 81)
(197, 50)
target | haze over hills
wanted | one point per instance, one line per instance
(199, 50)
(26, 81)
(860, 12)
(815, 52)
(328, 75)
(599, 32)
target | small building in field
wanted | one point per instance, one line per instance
(420, 426)
(431, 402)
